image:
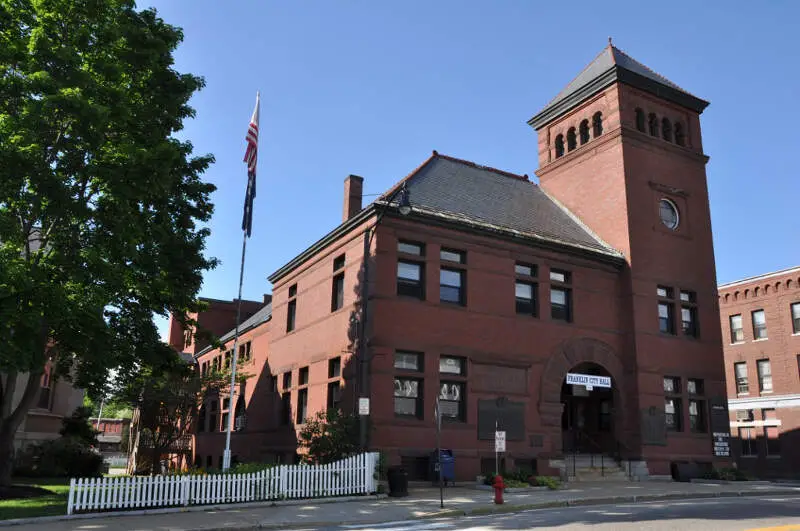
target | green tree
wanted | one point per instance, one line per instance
(102, 209)
(79, 428)
(329, 436)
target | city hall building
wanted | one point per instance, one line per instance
(579, 314)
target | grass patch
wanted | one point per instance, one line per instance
(47, 505)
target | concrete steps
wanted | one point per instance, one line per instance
(593, 468)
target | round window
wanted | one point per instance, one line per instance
(669, 214)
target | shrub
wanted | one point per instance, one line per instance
(545, 481)
(249, 468)
(64, 457)
(726, 474)
(512, 483)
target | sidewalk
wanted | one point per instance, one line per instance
(422, 503)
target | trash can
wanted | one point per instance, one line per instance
(398, 482)
(447, 462)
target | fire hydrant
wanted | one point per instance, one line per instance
(499, 486)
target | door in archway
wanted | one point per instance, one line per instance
(587, 421)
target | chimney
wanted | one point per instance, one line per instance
(353, 190)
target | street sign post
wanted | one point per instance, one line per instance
(437, 415)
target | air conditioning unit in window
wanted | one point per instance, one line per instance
(239, 423)
(744, 415)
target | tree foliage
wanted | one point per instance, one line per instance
(101, 206)
(329, 436)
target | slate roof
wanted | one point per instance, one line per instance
(462, 191)
(612, 64)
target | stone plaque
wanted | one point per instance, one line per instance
(497, 378)
(654, 427)
(501, 414)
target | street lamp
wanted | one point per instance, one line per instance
(404, 207)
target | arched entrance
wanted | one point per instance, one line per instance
(586, 418)
(572, 356)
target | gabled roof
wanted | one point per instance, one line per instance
(459, 192)
(257, 319)
(611, 65)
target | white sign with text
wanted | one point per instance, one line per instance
(588, 380)
(499, 441)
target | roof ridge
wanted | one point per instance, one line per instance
(582, 70)
(399, 183)
(523, 177)
(663, 78)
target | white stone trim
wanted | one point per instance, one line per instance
(760, 277)
(755, 423)
(764, 402)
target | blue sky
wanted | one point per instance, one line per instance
(371, 88)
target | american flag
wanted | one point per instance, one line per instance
(251, 158)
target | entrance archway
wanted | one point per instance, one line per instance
(571, 353)
(587, 424)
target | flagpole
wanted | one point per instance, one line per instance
(251, 158)
(226, 456)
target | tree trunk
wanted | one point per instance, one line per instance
(13, 420)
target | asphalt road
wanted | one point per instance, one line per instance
(779, 513)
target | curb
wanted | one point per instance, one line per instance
(190, 509)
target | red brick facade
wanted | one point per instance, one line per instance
(765, 396)
(484, 354)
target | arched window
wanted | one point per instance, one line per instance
(652, 122)
(559, 146)
(571, 142)
(666, 130)
(597, 124)
(679, 137)
(584, 131)
(640, 120)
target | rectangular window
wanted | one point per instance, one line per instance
(408, 397)
(745, 415)
(689, 321)
(225, 421)
(771, 433)
(338, 262)
(557, 275)
(293, 291)
(244, 352)
(672, 385)
(334, 395)
(673, 414)
(416, 249)
(695, 386)
(44, 393)
(228, 360)
(525, 297)
(525, 270)
(286, 409)
(759, 325)
(273, 384)
(449, 255)
(796, 318)
(334, 367)
(689, 313)
(408, 361)
(302, 405)
(452, 401)
(737, 331)
(337, 292)
(291, 315)
(451, 286)
(697, 416)
(764, 376)
(666, 321)
(304, 376)
(561, 304)
(287, 380)
(747, 439)
(664, 292)
(213, 419)
(742, 385)
(452, 365)
(410, 279)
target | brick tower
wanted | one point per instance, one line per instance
(621, 148)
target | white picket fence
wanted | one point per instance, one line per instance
(354, 475)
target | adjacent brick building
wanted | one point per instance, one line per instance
(760, 318)
(493, 288)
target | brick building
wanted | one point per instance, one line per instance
(493, 288)
(760, 318)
